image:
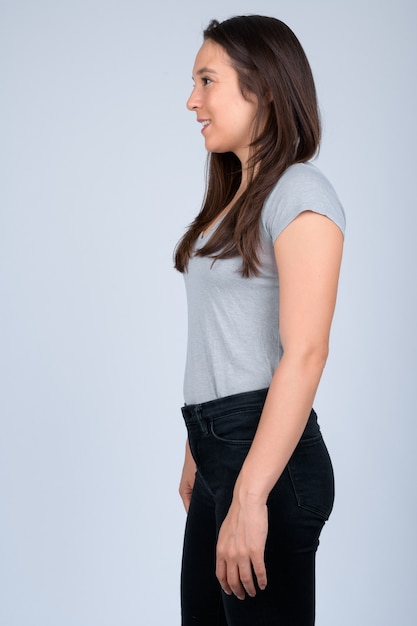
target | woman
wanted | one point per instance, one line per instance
(261, 264)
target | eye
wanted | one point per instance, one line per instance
(206, 80)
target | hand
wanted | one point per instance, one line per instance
(241, 547)
(187, 478)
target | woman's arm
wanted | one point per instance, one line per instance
(187, 477)
(308, 255)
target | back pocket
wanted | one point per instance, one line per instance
(311, 473)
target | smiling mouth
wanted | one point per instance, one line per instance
(205, 123)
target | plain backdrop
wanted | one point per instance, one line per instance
(102, 168)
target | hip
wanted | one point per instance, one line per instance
(220, 434)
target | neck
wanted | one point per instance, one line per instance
(247, 175)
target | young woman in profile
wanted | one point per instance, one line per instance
(261, 265)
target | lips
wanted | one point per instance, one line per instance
(204, 124)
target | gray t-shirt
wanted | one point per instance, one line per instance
(233, 333)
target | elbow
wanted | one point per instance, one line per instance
(315, 357)
(320, 352)
(310, 356)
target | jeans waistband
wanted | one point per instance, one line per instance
(216, 408)
(213, 409)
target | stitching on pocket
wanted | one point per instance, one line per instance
(327, 492)
(237, 442)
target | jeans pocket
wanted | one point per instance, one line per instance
(237, 428)
(311, 473)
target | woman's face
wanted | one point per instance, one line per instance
(227, 118)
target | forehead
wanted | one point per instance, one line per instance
(212, 56)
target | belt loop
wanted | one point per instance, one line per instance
(203, 423)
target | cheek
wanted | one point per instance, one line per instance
(243, 110)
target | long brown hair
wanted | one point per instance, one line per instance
(272, 65)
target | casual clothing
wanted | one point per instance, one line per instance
(233, 333)
(233, 350)
(220, 433)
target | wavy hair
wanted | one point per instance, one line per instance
(271, 64)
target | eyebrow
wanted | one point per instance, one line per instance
(205, 70)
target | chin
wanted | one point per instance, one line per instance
(210, 147)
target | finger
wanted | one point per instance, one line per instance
(221, 574)
(259, 569)
(185, 494)
(184, 499)
(234, 581)
(246, 578)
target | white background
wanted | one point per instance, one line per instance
(102, 168)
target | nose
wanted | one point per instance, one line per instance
(192, 102)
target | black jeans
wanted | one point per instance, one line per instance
(220, 433)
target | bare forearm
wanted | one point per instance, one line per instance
(282, 423)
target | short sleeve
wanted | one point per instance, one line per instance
(301, 188)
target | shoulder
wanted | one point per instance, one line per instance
(302, 187)
(302, 182)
